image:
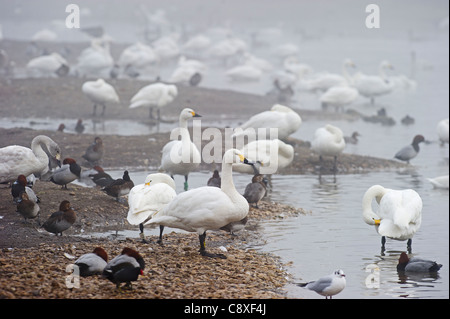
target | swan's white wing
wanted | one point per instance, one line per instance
(16, 160)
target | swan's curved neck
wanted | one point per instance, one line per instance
(346, 73)
(36, 147)
(382, 72)
(377, 192)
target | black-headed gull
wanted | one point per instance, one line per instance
(328, 286)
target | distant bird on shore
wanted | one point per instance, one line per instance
(353, 139)
(100, 93)
(61, 220)
(407, 153)
(125, 267)
(156, 95)
(94, 152)
(61, 127)
(92, 263)
(119, 187)
(79, 127)
(416, 265)
(327, 286)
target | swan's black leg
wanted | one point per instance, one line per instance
(203, 251)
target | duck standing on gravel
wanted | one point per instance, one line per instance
(67, 173)
(61, 220)
(94, 152)
(29, 209)
(256, 190)
(125, 267)
(119, 187)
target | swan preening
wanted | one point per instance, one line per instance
(399, 214)
(18, 160)
(100, 92)
(154, 95)
(279, 117)
(207, 208)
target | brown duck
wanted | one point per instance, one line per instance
(61, 220)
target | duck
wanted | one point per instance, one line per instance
(439, 181)
(256, 190)
(180, 157)
(100, 92)
(328, 141)
(61, 220)
(235, 227)
(28, 208)
(372, 86)
(442, 130)
(101, 178)
(61, 128)
(18, 160)
(207, 207)
(92, 263)
(119, 187)
(20, 186)
(155, 95)
(270, 156)
(145, 200)
(406, 264)
(352, 139)
(399, 213)
(279, 117)
(407, 120)
(67, 173)
(94, 152)
(407, 153)
(328, 286)
(125, 267)
(79, 127)
(338, 97)
(215, 179)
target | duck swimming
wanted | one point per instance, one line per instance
(416, 264)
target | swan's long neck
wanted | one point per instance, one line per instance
(36, 147)
(377, 192)
(227, 184)
(383, 74)
(346, 74)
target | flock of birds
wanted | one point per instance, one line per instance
(218, 205)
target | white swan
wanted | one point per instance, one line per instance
(328, 141)
(154, 95)
(186, 69)
(17, 160)
(145, 200)
(324, 81)
(439, 182)
(442, 131)
(399, 214)
(244, 73)
(46, 65)
(207, 208)
(339, 96)
(280, 117)
(180, 157)
(372, 86)
(100, 92)
(96, 60)
(196, 45)
(139, 56)
(273, 154)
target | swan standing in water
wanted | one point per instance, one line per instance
(328, 141)
(208, 207)
(145, 200)
(100, 92)
(18, 160)
(399, 214)
(154, 95)
(442, 130)
(180, 157)
(372, 86)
